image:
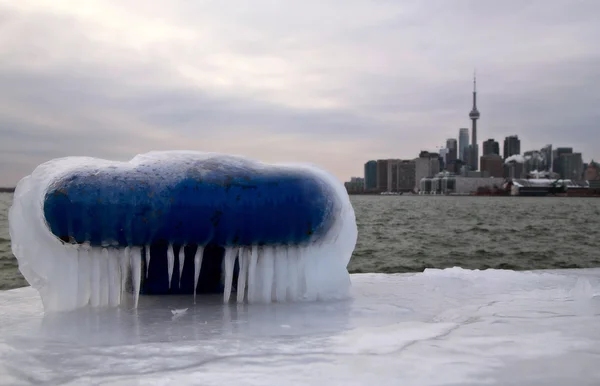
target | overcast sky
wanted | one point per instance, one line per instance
(335, 83)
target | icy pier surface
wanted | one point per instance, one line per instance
(440, 327)
(94, 232)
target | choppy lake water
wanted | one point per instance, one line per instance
(411, 233)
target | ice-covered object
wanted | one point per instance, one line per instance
(87, 230)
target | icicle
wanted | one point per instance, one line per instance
(181, 261)
(265, 267)
(197, 265)
(95, 282)
(292, 257)
(307, 273)
(136, 273)
(171, 262)
(147, 248)
(229, 261)
(301, 272)
(104, 279)
(125, 265)
(252, 280)
(72, 276)
(241, 286)
(280, 277)
(84, 277)
(114, 274)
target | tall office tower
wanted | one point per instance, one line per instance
(491, 147)
(443, 158)
(546, 153)
(512, 146)
(534, 161)
(427, 165)
(556, 154)
(371, 175)
(452, 147)
(493, 164)
(406, 175)
(463, 143)
(382, 173)
(592, 172)
(570, 166)
(392, 175)
(474, 116)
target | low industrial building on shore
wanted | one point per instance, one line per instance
(450, 184)
(546, 187)
(446, 184)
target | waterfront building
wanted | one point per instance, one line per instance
(443, 158)
(571, 166)
(463, 143)
(455, 166)
(556, 154)
(545, 187)
(512, 146)
(546, 152)
(493, 165)
(451, 184)
(355, 185)
(567, 164)
(491, 147)
(426, 165)
(370, 175)
(533, 161)
(452, 146)
(467, 157)
(513, 169)
(382, 174)
(392, 175)
(406, 176)
(592, 173)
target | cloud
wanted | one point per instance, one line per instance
(334, 83)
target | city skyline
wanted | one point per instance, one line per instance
(460, 158)
(494, 162)
(309, 81)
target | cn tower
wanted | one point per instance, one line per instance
(474, 115)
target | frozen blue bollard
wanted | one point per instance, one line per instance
(189, 222)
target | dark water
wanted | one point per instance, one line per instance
(405, 234)
(401, 234)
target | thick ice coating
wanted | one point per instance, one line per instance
(87, 231)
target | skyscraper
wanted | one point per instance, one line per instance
(371, 175)
(463, 142)
(474, 116)
(443, 158)
(406, 175)
(392, 175)
(512, 146)
(547, 154)
(556, 160)
(382, 174)
(452, 154)
(493, 164)
(427, 165)
(569, 165)
(491, 147)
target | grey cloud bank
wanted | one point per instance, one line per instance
(333, 83)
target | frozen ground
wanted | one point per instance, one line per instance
(450, 327)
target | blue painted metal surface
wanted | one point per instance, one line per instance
(203, 202)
